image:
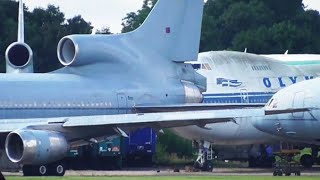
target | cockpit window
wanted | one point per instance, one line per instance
(270, 102)
(206, 66)
(196, 66)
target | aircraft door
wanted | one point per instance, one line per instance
(244, 96)
(298, 102)
(122, 103)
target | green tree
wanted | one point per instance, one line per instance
(262, 26)
(77, 25)
(43, 32)
(134, 19)
(104, 30)
(172, 143)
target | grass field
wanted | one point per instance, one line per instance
(171, 178)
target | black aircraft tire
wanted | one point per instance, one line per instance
(57, 169)
(42, 170)
(196, 165)
(208, 166)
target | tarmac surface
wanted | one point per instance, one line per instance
(170, 172)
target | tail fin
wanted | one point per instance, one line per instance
(21, 23)
(173, 29)
(19, 55)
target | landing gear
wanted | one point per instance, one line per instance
(29, 170)
(54, 169)
(205, 157)
(57, 169)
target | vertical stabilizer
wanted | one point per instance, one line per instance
(173, 29)
(19, 55)
(21, 23)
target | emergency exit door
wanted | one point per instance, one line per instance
(298, 102)
(244, 96)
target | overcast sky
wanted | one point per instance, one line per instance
(108, 12)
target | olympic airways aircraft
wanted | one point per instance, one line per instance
(241, 78)
(104, 89)
(300, 126)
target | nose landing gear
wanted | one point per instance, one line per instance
(205, 157)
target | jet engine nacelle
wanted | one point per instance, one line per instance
(192, 93)
(79, 50)
(35, 147)
(19, 58)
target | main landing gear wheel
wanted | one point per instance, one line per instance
(54, 169)
(57, 169)
(42, 170)
(35, 170)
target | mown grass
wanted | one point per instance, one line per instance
(171, 178)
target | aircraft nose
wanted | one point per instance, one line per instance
(265, 125)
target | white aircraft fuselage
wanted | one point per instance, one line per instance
(234, 77)
(300, 126)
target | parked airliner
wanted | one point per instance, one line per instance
(106, 80)
(241, 78)
(300, 126)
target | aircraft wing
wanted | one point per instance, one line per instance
(164, 120)
(138, 120)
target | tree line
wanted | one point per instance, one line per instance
(261, 26)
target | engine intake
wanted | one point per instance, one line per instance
(18, 55)
(81, 50)
(67, 51)
(35, 147)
